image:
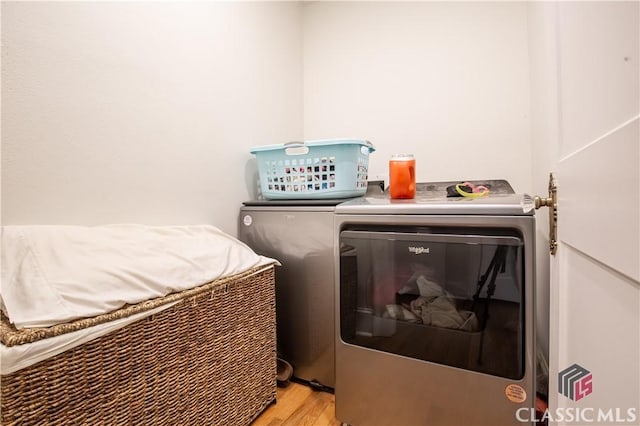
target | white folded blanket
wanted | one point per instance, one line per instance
(55, 274)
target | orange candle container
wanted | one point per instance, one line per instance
(402, 176)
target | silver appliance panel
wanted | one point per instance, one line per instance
(375, 387)
(301, 238)
(424, 203)
(431, 198)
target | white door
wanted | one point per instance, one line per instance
(595, 276)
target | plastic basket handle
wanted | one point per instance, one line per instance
(296, 148)
(368, 148)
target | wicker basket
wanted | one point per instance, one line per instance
(208, 360)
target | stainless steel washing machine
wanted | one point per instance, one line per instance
(299, 233)
(434, 308)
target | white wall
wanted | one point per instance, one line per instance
(544, 137)
(143, 112)
(446, 81)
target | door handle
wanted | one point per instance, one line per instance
(552, 202)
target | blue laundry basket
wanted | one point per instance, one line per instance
(319, 169)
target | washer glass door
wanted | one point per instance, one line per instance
(452, 296)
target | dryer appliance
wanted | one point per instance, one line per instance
(434, 308)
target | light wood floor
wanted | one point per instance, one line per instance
(299, 405)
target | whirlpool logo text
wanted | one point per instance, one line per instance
(418, 250)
